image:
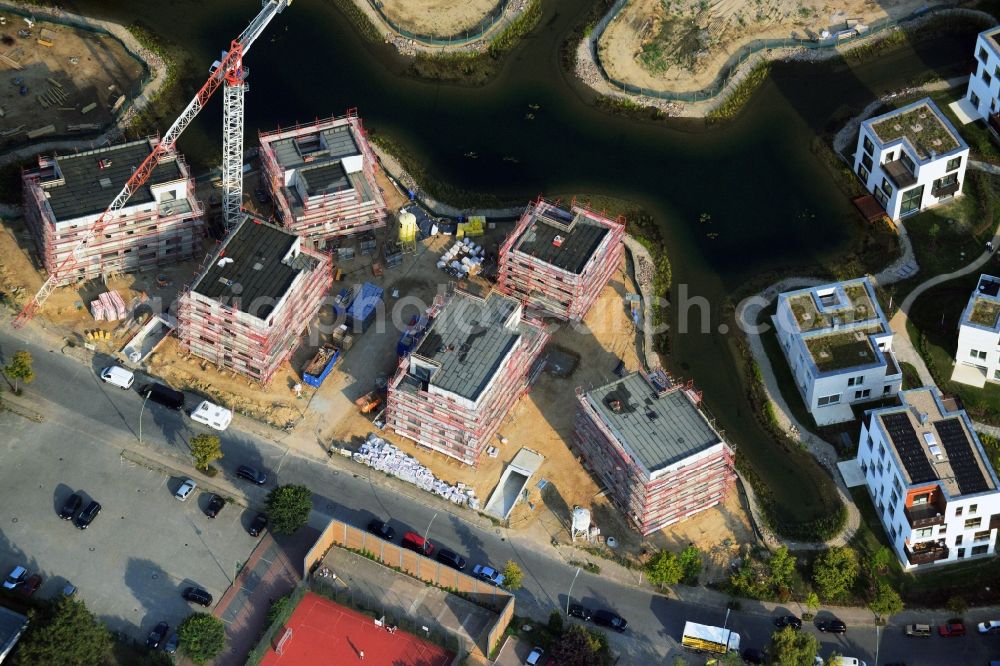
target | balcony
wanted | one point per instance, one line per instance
(899, 173)
(945, 190)
(924, 516)
(926, 553)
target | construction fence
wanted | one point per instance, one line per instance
(430, 571)
(741, 56)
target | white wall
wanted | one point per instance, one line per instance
(981, 340)
(988, 94)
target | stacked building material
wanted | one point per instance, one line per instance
(110, 306)
(461, 259)
(383, 456)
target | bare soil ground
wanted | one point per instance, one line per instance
(440, 18)
(681, 45)
(103, 71)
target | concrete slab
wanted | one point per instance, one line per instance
(964, 111)
(969, 375)
(512, 482)
(850, 470)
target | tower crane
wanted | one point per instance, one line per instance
(229, 71)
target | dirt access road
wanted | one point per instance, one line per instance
(87, 68)
(681, 45)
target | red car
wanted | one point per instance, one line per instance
(31, 585)
(952, 628)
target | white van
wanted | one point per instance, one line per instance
(118, 376)
(212, 415)
(845, 661)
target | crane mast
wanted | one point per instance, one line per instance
(228, 71)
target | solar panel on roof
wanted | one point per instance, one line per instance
(963, 461)
(904, 437)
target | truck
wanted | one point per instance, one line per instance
(705, 638)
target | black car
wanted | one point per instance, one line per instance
(258, 525)
(753, 656)
(196, 595)
(166, 396)
(833, 626)
(250, 474)
(214, 506)
(70, 507)
(157, 635)
(582, 612)
(453, 560)
(86, 517)
(609, 620)
(380, 529)
(788, 621)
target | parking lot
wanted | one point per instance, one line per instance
(142, 550)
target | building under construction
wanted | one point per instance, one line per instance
(647, 441)
(453, 391)
(252, 299)
(162, 223)
(322, 179)
(558, 261)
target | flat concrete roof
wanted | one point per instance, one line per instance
(252, 268)
(87, 189)
(569, 249)
(307, 147)
(658, 429)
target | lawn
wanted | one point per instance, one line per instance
(933, 328)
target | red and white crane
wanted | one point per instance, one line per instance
(229, 70)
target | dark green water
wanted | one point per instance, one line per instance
(772, 204)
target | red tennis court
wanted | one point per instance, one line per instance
(324, 633)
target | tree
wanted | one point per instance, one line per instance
(782, 566)
(556, 623)
(691, 563)
(579, 647)
(512, 576)
(812, 602)
(66, 635)
(793, 648)
(835, 572)
(886, 601)
(880, 560)
(19, 369)
(288, 508)
(957, 605)
(205, 449)
(202, 637)
(664, 569)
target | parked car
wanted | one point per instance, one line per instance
(258, 525)
(453, 560)
(252, 475)
(15, 578)
(163, 394)
(787, 621)
(86, 517)
(31, 585)
(833, 626)
(489, 574)
(989, 627)
(610, 620)
(380, 529)
(185, 490)
(214, 506)
(535, 657)
(70, 507)
(157, 635)
(582, 612)
(118, 376)
(951, 628)
(418, 544)
(753, 656)
(196, 595)
(170, 647)
(918, 630)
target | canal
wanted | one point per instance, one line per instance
(771, 203)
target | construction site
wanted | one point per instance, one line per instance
(60, 80)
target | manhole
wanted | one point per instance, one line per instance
(13, 520)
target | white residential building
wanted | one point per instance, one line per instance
(911, 158)
(839, 347)
(930, 480)
(977, 359)
(984, 83)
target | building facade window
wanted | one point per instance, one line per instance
(858, 395)
(887, 186)
(828, 400)
(958, 540)
(868, 145)
(981, 536)
(867, 161)
(905, 159)
(958, 511)
(982, 54)
(985, 76)
(945, 181)
(881, 198)
(980, 550)
(863, 173)
(923, 532)
(911, 200)
(961, 553)
(954, 163)
(856, 381)
(973, 508)
(973, 523)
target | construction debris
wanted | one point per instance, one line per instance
(10, 61)
(42, 131)
(383, 456)
(90, 107)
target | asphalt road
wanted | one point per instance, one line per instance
(75, 399)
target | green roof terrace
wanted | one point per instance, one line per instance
(921, 125)
(838, 351)
(809, 318)
(985, 312)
